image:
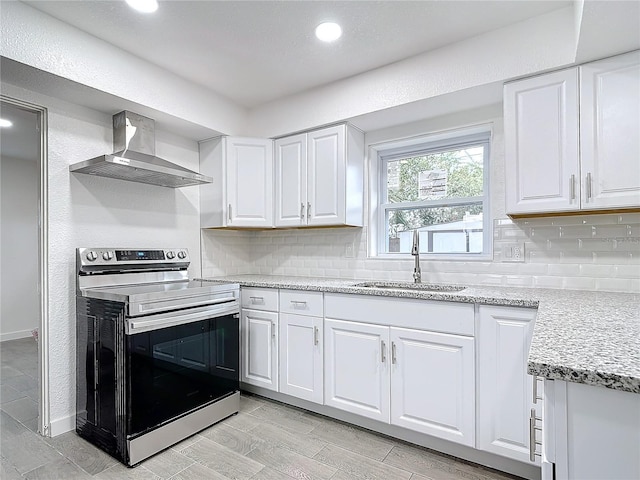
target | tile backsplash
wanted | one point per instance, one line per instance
(589, 252)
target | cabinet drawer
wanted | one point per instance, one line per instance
(302, 302)
(445, 317)
(259, 298)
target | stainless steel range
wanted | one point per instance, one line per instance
(157, 354)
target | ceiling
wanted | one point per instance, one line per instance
(22, 139)
(255, 52)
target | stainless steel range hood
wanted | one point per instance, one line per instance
(134, 160)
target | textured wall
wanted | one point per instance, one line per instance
(95, 211)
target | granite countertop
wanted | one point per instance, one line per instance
(579, 336)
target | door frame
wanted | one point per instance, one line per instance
(43, 263)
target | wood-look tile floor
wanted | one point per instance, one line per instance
(266, 440)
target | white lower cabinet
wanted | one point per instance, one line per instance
(433, 384)
(259, 333)
(505, 390)
(301, 343)
(417, 379)
(356, 370)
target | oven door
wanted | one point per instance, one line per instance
(179, 367)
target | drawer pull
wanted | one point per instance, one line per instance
(256, 299)
(536, 397)
(298, 302)
(533, 443)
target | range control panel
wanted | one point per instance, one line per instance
(116, 256)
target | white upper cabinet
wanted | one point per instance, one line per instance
(541, 143)
(291, 181)
(610, 132)
(320, 178)
(572, 139)
(241, 194)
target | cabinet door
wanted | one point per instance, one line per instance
(433, 384)
(301, 357)
(260, 348)
(249, 182)
(541, 143)
(356, 370)
(326, 176)
(291, 181)
(504, 388)
(609, 132)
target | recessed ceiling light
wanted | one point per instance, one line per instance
(328, 31)
(145, 6)
(5, 123)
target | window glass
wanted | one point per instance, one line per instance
(439, 190)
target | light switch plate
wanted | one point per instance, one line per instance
(349, 251)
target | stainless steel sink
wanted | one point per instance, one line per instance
(421, 287)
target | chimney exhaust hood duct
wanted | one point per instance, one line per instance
(134, 159)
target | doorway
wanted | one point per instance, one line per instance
(23, 278)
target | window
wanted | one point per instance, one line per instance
(438, 186)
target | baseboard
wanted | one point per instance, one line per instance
(62, 425)
(15, 335)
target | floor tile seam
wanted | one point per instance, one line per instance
(193, 462)
(353, 451)
(369, 458)
(39, 466)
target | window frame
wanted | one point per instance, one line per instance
(383, 152)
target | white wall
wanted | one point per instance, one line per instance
(19, 308)
(591, 252)
(34, 38)
(95, 211)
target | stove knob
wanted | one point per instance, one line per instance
(107, 256)
(182, 254)
(170, 255)
(91, 256)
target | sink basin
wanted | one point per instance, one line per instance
(421, 287)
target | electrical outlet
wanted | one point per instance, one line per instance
(349, 250)
(513, 252)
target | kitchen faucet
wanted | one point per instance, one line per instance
(415, 251)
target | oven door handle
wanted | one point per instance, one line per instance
(172, 319)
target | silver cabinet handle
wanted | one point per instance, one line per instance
(382, 351)
(589, 192)
(253, 299)
(298, 302)
(315, 335)
(273, 329)
(229, 213)
(301, 211)
(533, 443)
(393, 352)
(572, 187)
(308, 210)
(535, 390)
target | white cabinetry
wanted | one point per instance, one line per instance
(357, 368)
(301, 344)
(590, 432)
(610, 132)
(406, 362)
(505, 391)
(571, 138)
(319, 178)
(259, 337)
(541, 143)
(241, 194)
(432, 383)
